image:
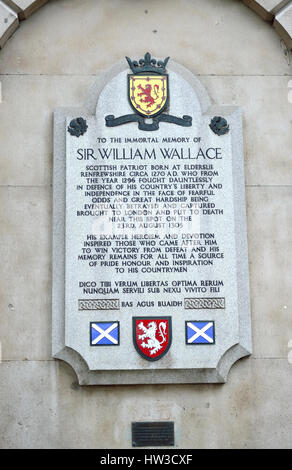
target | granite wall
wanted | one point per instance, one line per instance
(50, 61)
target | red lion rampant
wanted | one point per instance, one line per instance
(149, 99)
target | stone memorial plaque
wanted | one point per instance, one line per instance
(150, 269)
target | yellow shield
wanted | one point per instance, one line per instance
(148, 93)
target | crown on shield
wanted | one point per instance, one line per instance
(147, 64)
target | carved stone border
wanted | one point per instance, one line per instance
(202, 303)
(98, 304)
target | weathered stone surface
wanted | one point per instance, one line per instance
(265, 135)
(283, 24)
(25, 215)
(27, 130)
(267, 9)
(8, 23)
(186, 41)
(24, 8)
(269, 216)
(45, 408)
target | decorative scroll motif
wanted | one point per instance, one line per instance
(77, 127)
(219, 125)
(205, 303)
(99, 304)
(111, 121)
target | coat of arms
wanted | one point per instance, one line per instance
(152, 336)
(148, 93)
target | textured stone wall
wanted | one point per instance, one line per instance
(50, 61)
(278, 12)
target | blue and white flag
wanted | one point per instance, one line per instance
(104, 333)
(200, 332)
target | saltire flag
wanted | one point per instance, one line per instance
(200, 332)
(105, 333)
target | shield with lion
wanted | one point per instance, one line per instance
(148, 93)
(152, 336)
